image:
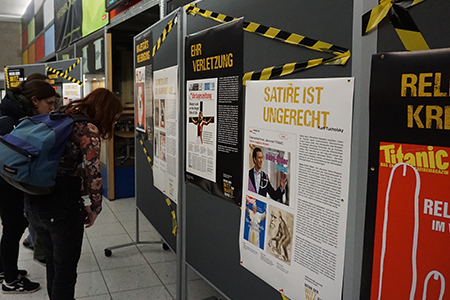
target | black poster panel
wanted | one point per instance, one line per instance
(407, 197)
(68, 21)
(15, 77)
(214, 68)
(144, 48)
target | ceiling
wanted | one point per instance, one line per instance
(12, 10)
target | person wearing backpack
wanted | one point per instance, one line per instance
(59, 217)
(33, 98)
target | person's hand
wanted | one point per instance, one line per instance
(90, 217)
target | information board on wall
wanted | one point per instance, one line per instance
(408, 226)
(144, 85)
(214, 68)
(166, 112)
(296, 181)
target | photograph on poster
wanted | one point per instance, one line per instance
(162, 145)
(157, 113)
(162, 108)
(157, 144)
(200, 121)
(279, 234)
(140, 105)
(269, 173)
(149, 101)
(255, 221)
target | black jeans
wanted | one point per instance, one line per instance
(59, 222)
(14, 224)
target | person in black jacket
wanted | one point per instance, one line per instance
(33, 98)
(259, 181)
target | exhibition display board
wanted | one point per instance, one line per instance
(407, 225)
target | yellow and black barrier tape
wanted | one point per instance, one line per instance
(400, 18)
(164, 34)
(72, 67)
(169, 203)
(64, 74)
(174, 217)
(341, 54)
(6, 77)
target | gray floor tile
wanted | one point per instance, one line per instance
(153, 293)
(155, 253)
(166, 271)
(124, 257)
(105, 229)
(90, 284)
(98, 297)
(130, 278)
(87, 263)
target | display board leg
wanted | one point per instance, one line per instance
(108, 251)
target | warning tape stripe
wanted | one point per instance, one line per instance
(289, 68)
(6, 77)
(271, 32)
(164, 35)
(341, 58)
(72, 67)
(169, 203)
(400, 18)
(61, 74)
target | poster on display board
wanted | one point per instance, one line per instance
(144, 85)
(71, 92)
(15, 76)
(214, 68)
(296, 184)
(407, 230)
(166, 111)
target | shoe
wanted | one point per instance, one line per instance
(22, 273)
(27, 245)
(21, 285)
(41, 261)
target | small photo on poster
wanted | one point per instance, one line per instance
(162, 146)
(140, 103)
(204, 115)
(269, 173)
(157, 144)
(255, 221)
(162, 120)
(279, 234)
(157, 113)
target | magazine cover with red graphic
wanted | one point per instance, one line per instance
(412, 229)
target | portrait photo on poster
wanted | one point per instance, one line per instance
(269, 174)
(255, 221)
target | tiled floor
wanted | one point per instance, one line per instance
(135, 272)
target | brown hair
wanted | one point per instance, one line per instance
(34, 76)
(101, 106)
(38, 88)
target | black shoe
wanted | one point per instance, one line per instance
(22, 273)
(27, 245)
(20, 286)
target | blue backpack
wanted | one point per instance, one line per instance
(30, 154)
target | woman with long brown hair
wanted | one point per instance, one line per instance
(59, 217)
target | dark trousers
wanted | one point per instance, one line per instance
(59, 222)
(14, 224)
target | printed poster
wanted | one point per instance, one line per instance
(165, 162)
(407, 227)
(214, 143)
(140, 99)
(71, 92)
(296, 182)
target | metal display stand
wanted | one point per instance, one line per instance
(108, 251)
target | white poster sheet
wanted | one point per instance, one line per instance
(140, 99)
(165, 162)
(201, 128)
(71, 92)
(296, 181)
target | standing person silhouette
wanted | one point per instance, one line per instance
(59, 217)
(255, 219)
(31, 98)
